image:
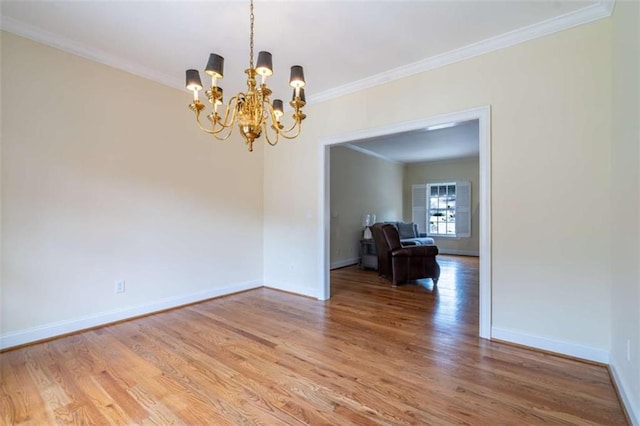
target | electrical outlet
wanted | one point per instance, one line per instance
(628, 349)
(119, 287)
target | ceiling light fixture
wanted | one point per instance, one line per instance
(251, 110)
(441, 126)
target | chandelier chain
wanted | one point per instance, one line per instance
(251, 39)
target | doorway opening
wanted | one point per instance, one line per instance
(482, 115)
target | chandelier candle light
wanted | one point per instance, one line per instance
(252, 111)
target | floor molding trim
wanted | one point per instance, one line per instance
(60, 328)
(564, 348)
(458, 252)
(295, 289)
(345, 262)
(632, 411)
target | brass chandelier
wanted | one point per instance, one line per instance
(252, 111)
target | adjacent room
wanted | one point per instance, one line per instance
(190, 193)
(382, 179)
(408, 180)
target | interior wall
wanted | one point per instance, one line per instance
(447, 171)
(1, 198)
(106, 177)
(550, 153)
(624, 215)
(360, 184)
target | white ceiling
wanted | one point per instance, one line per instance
(459, 141)
(340, 43)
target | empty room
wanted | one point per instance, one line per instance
(199, 223)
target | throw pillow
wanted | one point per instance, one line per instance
(406, 230)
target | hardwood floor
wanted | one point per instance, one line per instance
(372, 354)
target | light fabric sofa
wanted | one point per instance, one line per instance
(409, 235)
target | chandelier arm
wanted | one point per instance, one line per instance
(228, 122)
(271, 112)
(293, 126)
(284, 135)
(223, 138)
(266, 134)
(204, 129)
(211, 131)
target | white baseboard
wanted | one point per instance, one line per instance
(564, 348)
(633, 409)
(345, 262)
(303, 291)
(48, 331)
(458, 252)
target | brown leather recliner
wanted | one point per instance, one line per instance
(382, 250)
(402, 264)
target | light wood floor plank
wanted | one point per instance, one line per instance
(371, 355)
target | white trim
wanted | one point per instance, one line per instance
(564, 348)
(370, 153)
(608, 6)
(48, 331)
(344, 262)
(484, 136)
(483, 115)
(600, 10)
(633, 410)
(405, 126)
(458, 252)
(593, 12)
(59, 42)
(296, 289)
(445, 160)
(324, 225)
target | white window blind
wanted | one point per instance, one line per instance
(419, 207)
(463, 209)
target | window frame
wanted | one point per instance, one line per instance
(446, 209)
(463, 209)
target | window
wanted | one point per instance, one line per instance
(443, 209)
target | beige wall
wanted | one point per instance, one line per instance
(551, 131)
(447, 171)
(360, 184)
(105, 177)
(625, 213)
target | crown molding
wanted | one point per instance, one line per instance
(594, 12)
(370, 153)
(600, 10)
(608, 5)
(466, 158)
(62, 43)
(409, 163)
